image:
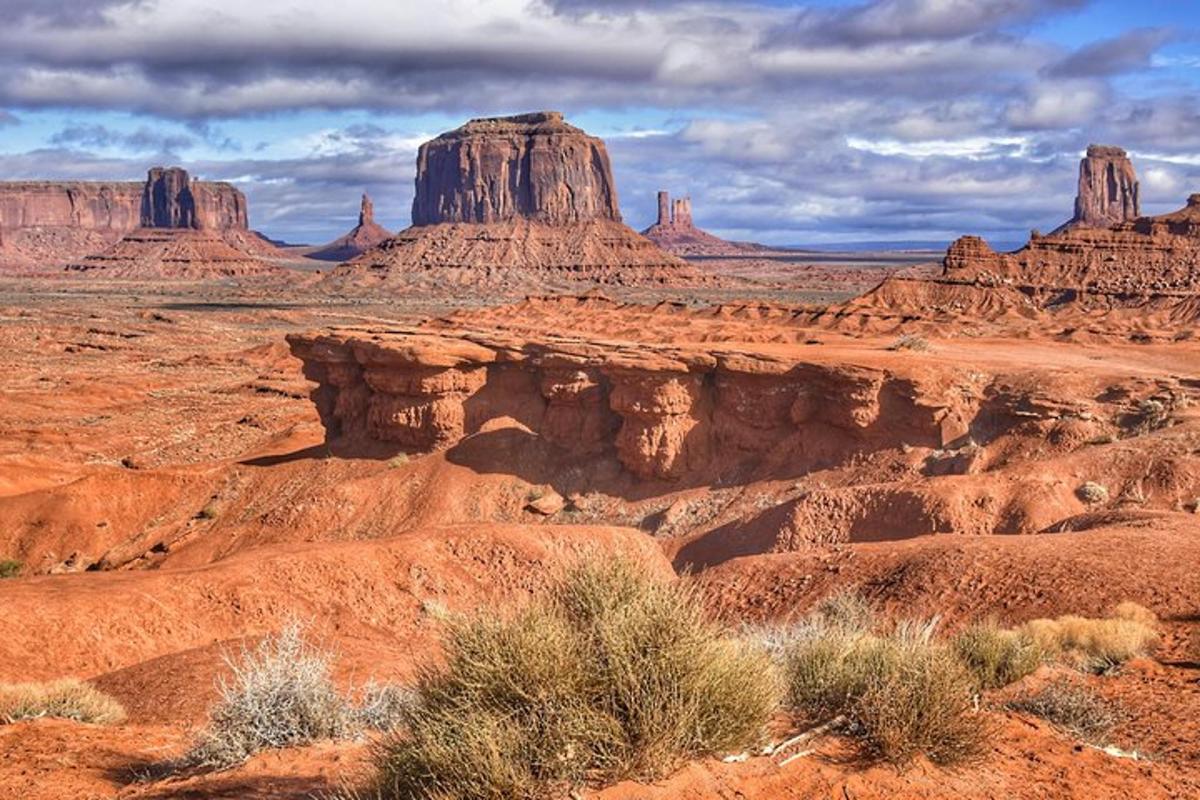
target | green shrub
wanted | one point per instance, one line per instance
(614, 674)
(65, 699)
(10, 568)
(996, 657)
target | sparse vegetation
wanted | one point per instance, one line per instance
(64, 699)
(398, 460)
(995, 656)
(210, 511)
(615, 674)
(1096, 645)
(1074, 708)
(381, 706)
(902, 693)
(1092, 493)
(911, 341)
(10, 568)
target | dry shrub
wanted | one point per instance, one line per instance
(64, 699)
(1074, 708)
(903, 694)
(280, 695)
(1097, 645)
(613, 675)
(996, 657)
(911, 341)
(1092, 493)
(846, 610)
(381, 706)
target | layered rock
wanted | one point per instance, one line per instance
(365, 235)
(503, 196)
(1109, 193)
(664, 412)
(47, 223)
(675, 232)
(1106, 249)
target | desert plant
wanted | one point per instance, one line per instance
(210, 511)
(1074, 708)
(381, 706)
(996, 657)
(1092, 493)
(846, 610)
(10, 568)
(67, 698)
(613, 674)
(280, 694)
(911, 341)
(1096, 645)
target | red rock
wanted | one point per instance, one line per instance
(360, 239)
(1108, 189)
(675, 232)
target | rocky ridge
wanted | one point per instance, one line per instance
(675, 232)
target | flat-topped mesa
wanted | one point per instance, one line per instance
(512, 202)
(1109, 193)
(530, 166)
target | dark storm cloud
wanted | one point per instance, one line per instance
(1125, 53)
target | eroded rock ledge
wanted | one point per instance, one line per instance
(665, 411)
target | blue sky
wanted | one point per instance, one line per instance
(801, 122)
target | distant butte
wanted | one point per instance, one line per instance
(675, 232)
(365, 235)
(512, 201)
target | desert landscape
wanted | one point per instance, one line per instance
(516, 501)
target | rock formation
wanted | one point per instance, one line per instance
(360, 239)
(665, 412)
(1106, 249)
(45, 224)
(675, 232)
(1108, 189)
(513, 198)
(189, 230)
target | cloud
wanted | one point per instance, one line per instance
(8, 119)
(1130, 51)
(143, 140)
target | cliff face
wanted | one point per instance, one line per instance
(1108, 189)
(664, 412)
(531, 166)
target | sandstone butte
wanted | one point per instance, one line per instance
(361, 238)
(49, 224)
(675, 232)
(509, 195)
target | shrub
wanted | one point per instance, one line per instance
(1095, 644)
(903, 693)
(280, 695)
(918, 701)
(1074, 708)
(210, 511)
(1092, 493)
(996, 657)
(846, 610)
(65, 699)
(10, 568)
(381, 706)
(911, 341)
(612, 675)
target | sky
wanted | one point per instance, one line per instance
(823, 122)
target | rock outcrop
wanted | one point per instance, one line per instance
(512, 199)
(46, 223)
(365, 235)
(675, 232)
(1105, 250)
(665, 412)
(1109, 193)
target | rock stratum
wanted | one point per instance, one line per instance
(1109, 192)
(515, 201)
(675, 232)
(47, 224)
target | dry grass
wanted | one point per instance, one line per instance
(64, 699)
(1075, 709)
(1097, 645)
(280, 694)
(996, 657)
(614, 675)
(903, 693)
